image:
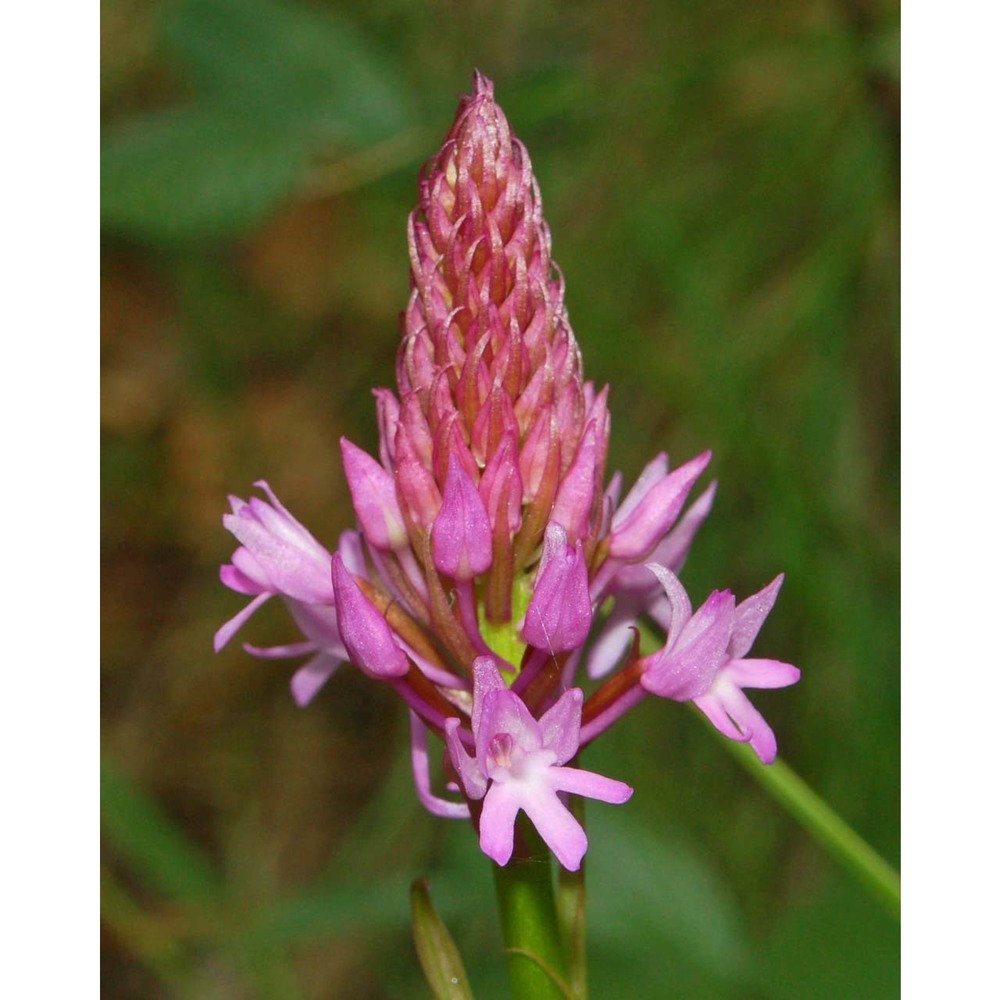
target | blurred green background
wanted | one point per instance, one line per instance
(721, 181)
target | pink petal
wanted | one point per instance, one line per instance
(638, 534)
(237, 580)
(750, 615)
(279, 519)
(238, 620)
(611, 643)
(761, 673)
(716, 714)
(486, 677)
(318, 623)
(576, 491)
(461, 536)
(280, 652)
(557, 826)
(366, 635)
(751, 724)
(388, 420)
(688, 665)
(422, 776)
(561, 725)
(291, 568)
(308, 679)
(680, 603)
(500, 485)
(473, 779)
(250, 569)
(496, 823)
(589, 784)
(373, 493)
(653, 473)
(559, 614)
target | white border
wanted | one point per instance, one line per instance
(951, 387)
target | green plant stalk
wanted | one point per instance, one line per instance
(856, 855)
(571, 906)
(528, 920)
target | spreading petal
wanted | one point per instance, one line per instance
(750, 615)
(496, 822)
(761, 673)
(686, 667)
(227, 631)
(561, 725)
(751, 724)
(309, 678)
(590, 785)
(557, 826)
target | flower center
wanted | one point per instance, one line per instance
(501, 747)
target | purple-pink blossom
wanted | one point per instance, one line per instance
(704, 660)
(492, 564)
(519, 763)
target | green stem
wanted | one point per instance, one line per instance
(856, 855)
(528, 920)
(571, 906)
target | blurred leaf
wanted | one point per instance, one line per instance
(283, 64)
(161, 855)
(276, 85)
(439, 958)
(332, 909)
(838, 946)
(659, 911)
(195, 173)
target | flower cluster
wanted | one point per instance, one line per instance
(491, 565)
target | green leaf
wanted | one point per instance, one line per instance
(839, 945)
(195, 174)
(330, 909)
(658, 910)
(284, 64)
(136, 828)
(439, 957)
(823, 824)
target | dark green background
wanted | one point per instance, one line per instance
(721, 181)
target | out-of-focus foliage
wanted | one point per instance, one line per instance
(721, 180)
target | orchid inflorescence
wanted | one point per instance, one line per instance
(490, 564)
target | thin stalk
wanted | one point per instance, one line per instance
(535, 961)
(857, 856)
(571, 905)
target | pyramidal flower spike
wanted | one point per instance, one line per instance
(491, 561)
